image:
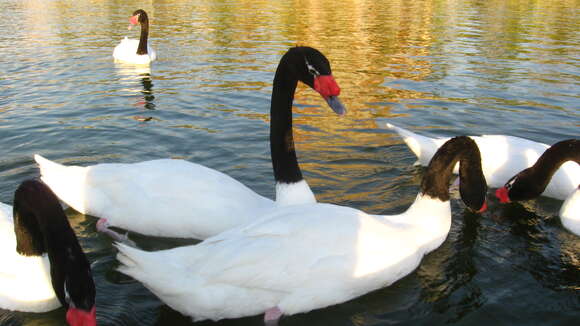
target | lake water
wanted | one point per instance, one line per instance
(440, 68)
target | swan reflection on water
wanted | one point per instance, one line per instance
(147, 92)
(128, 73)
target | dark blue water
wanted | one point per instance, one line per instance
(437, 67)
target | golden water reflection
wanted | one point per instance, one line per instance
(384, 54)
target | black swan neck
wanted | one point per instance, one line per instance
(142, 48)
(39, 222)
(438, 175)
(553, 158)
(284, 161)
(42, 227)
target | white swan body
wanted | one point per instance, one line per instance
(126, 51)
(158, 197)
(570, 212)
(297, 258)
(303, 257)
(501, 158)
(24, 280)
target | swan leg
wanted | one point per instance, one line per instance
(272, 315)
(103, 227)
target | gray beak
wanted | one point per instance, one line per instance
(336, 105)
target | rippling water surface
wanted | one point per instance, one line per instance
(436, 67)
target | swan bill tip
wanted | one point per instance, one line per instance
(336, 105)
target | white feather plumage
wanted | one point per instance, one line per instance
(297, 258)
(570, 212)
(25, 282)
(126, 51)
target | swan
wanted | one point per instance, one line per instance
(133, 51)
(178, 198)
(531, 182)
(43, 265)
(501, 158)
(304, 257)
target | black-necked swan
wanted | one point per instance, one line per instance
(178, 198)
(531, 182)
(136, 51)
(304, 257)
(43, 265)
(501, 158)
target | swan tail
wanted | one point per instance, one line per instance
(67, 182)
(145, 267)
(127, 256)
(174, 283)
(423, 147)
(134, 261)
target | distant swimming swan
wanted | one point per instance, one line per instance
(133, 51)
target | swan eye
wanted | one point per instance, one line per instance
(311, 69)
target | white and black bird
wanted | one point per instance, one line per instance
(178, 198)
(43, 265)
(136, 51)
(501, 158)
(532, 182)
